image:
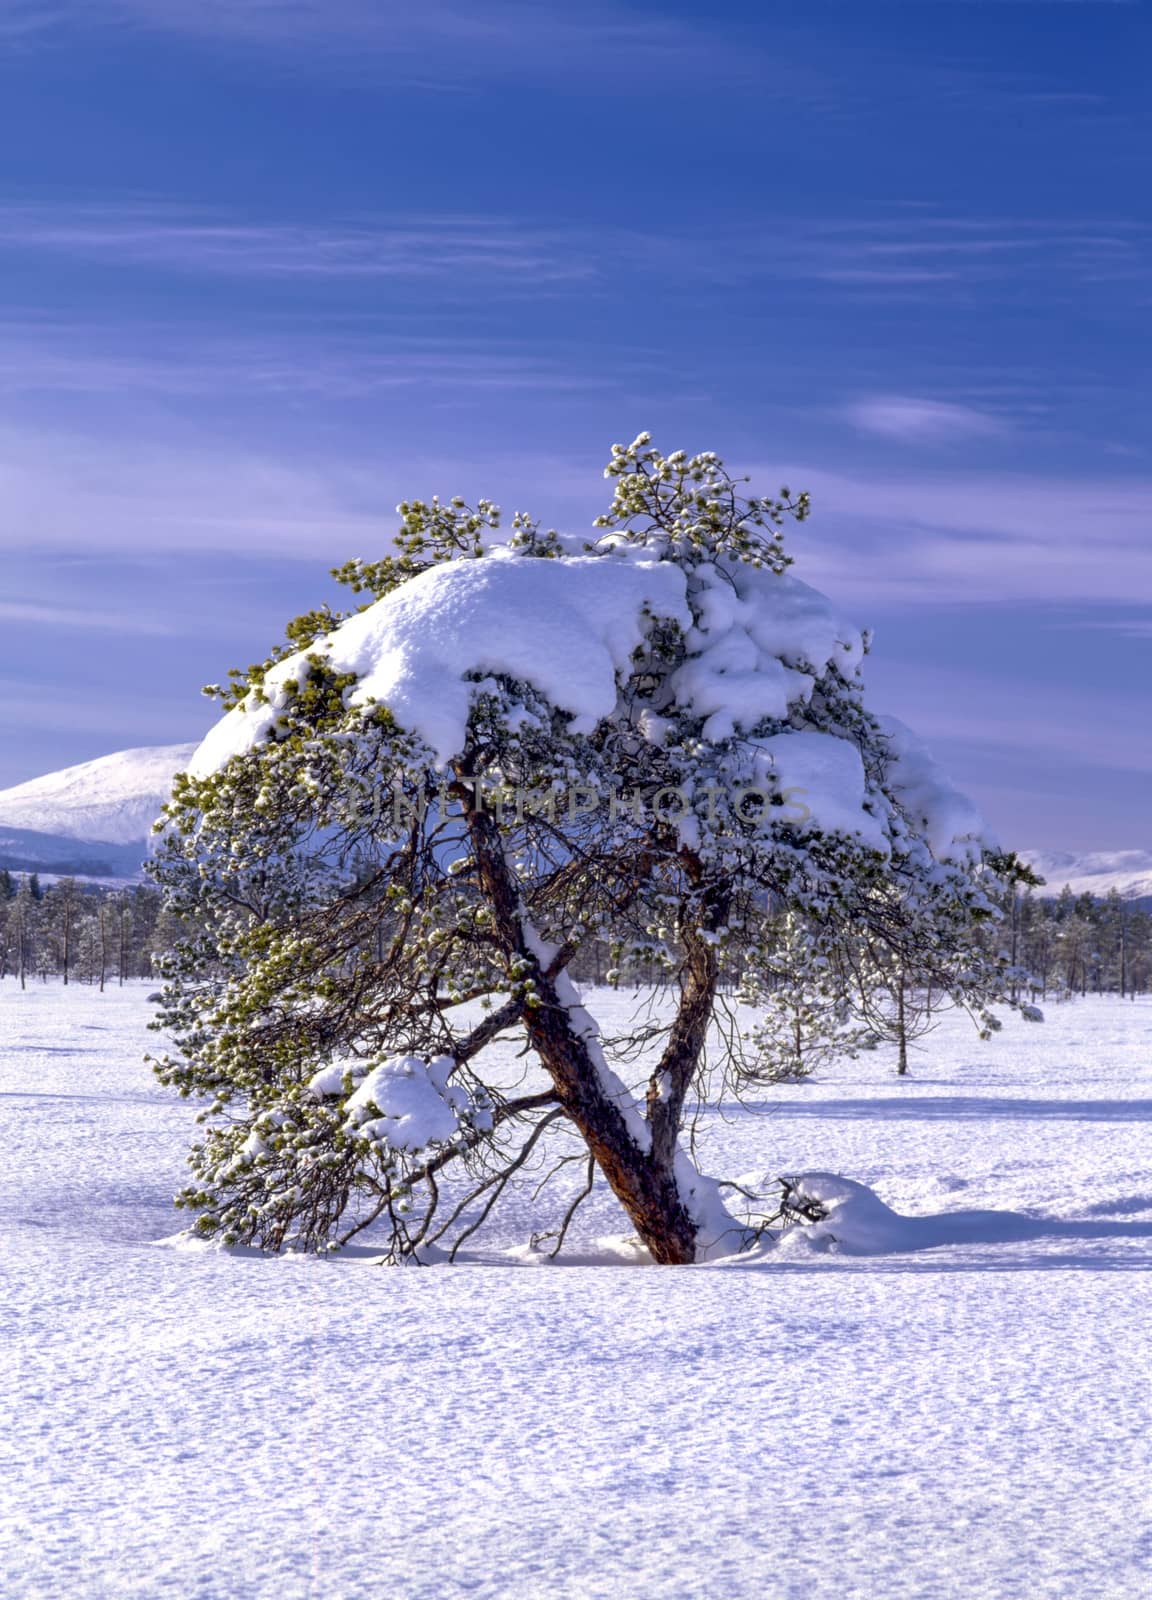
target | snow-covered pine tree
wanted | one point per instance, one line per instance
(800, 987)
(23, 926)
(413, 818)
(61, 914)
(900, 987)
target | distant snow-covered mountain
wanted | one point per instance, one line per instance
(93, 820)
(1129, 872)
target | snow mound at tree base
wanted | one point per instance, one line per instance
(852, 1221)
(845, 1218)
(856, 1222)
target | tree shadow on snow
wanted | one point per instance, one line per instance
(1016, 1261)
(943, 1108)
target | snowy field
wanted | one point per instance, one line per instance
(967, 1418)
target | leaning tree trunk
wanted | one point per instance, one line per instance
(642, 1178)
(672, 1078)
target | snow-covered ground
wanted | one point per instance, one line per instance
(971, 1419)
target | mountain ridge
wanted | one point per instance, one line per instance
(112, 800)
(1095, 872)
(95, 820)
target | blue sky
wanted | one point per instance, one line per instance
(268, 266)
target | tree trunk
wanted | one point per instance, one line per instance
(642, 1179)
(684, 1050)
(901, 1031)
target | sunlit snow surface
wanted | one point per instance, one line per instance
(969, 1420)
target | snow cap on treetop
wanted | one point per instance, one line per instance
(757, 644)
(569, 628)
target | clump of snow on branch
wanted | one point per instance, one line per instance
(947, 819)
(836, 1215)
(822, 777)
(405, 1101)
(569, 628)
(761, 641)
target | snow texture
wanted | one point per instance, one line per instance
(822, 777)
(565, 627)
(858, 1223)
(942, 815)
(568, 628)
(762, 640)
(965, 1413)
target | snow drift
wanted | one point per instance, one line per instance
(856, 1222)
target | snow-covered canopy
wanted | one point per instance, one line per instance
(762, 640)
(566, 627)
(758, 642)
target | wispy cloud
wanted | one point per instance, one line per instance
(52, 616)
(465, 257)
(1127, 627)
(920, 421)
(73, 492)
(970, 5)
(971, 537)
(435, 42)
(159, 236)
(976, 538)
(393, 24)
(973, 252)
(25, 21)
(41, 357)
(506, 31)
(34, 709)
(905, 252)
(998, 714)
(105, 493)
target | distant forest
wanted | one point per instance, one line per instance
(77, 932)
